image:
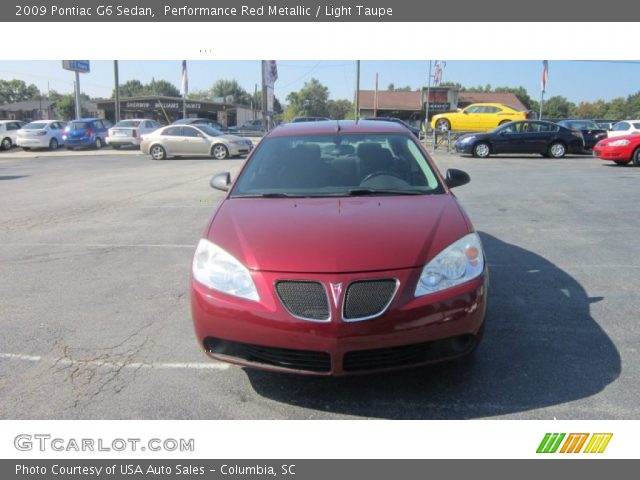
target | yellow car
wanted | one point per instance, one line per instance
(477, 117)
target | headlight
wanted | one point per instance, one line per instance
(466, 139)
(460, 262)
(620, 143)
(216, 269)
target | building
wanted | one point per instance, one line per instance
(410, 106)
(168, 109)
(30, 110)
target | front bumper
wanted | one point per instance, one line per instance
(466, 147)
(235, 149)
(612, 153)
(411, 332)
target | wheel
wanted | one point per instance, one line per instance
(158, 153)
(6, 143)
(219, 152)
(557, 150)
(53, 144)
(443, 125)
(636, 157)
(621, 162)
(481, 150)
(97, 143)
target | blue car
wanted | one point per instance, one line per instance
(86, 132)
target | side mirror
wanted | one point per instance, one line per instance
(221, 181)
(455, 178)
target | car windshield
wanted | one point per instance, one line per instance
(35, 126)
(212, 132)
(337, 165)
(128, 123)
(78, 125)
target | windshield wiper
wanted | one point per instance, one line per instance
(271, 195)
(356, 192)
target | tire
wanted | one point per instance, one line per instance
(621, 162)
(157, 152)
(557, 150)
(6, 143)
(219, 152)
(443, 125)
(53, 144)
(636, 157)
(97, 143)
(481, 150)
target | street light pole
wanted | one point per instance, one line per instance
(357, 103)
(78, 109)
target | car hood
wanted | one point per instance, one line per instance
(337, 235)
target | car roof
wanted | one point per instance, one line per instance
(328, 127)
(135, 119)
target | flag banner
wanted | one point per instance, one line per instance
(184, 87)
(545, 75)
(270, 72)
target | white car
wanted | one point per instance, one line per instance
(9, 133)
(41, 134)
(129, 132)
(625, 127)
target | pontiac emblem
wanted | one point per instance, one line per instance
(336, 291)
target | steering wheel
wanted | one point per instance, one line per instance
(379, 173)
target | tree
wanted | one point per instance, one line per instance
(391, 87)
(65, 107)
(131, 88)
(223, 88)
(558, 107)
(340, 109)
(161, 88)
(310, 101)
(12, 91)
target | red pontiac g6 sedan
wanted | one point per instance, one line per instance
(339, 249)
(620, 150)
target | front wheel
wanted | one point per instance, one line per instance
(557, 150)
(158, 153)
(481, 150)
(219, 152)
(6, 143)
(53, 144)
(636, 157)
(443, 125)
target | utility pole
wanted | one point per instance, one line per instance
(426, 113)
(117, 90)
(375, 98)
(78, 108)
(357, 103)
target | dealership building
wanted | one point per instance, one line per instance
(168, 109)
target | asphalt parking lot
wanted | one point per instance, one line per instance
(95, 253)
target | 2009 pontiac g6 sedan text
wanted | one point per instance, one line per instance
(339, 249)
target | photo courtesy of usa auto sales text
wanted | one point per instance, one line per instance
(141, 469)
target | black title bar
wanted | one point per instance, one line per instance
(317, 11)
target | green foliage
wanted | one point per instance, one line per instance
(558, 107)
(12, 91)
(66, 107)
(135, 88)
(340, 109)
(223, 88)
(311, 100)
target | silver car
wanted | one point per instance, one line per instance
(41, 134)
(191, 140)
(129, 132)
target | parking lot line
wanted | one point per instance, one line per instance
(212, 365)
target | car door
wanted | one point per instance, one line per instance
(468, 119)
(511, 138)
(195, 142)
(541, 135)
(172, 140)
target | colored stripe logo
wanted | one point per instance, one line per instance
(574, 443)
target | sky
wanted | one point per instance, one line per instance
(576, 80)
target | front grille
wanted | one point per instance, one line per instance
(368, 298)
(304, 299)
(407, 355)
(305, 360)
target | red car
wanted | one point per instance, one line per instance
(621, 149)
(339, 249)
